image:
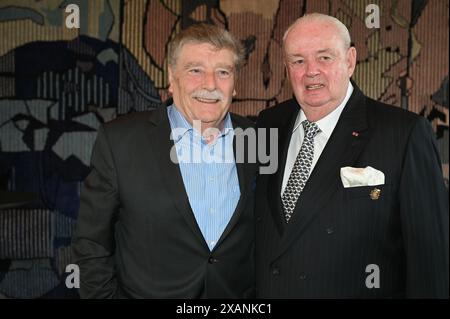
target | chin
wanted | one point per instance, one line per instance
(209, 115)
(210, 120)
(317, 100)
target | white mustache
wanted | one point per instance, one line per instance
(208, 95)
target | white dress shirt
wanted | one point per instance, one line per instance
(326, 125)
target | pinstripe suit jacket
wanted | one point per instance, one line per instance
(336, 232)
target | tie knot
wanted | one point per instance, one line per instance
(311, 129)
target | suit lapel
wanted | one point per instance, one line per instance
(244, 176)
(276, 180)
(342, 149)
(173, 181)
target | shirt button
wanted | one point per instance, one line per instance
(212, 210)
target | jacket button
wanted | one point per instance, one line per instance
(212, 260)
(330, 230)
(258, 219)
(302, 276)
(275, 271)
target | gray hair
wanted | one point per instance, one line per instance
(319, 17)
(206, 33)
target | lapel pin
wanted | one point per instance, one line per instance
(375, 193)
(355, 134)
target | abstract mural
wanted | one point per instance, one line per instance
(58, 85)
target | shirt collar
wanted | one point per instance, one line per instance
(328, 123)
(180, 126)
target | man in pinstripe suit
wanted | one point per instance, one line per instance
(358, 207)
(166, 211)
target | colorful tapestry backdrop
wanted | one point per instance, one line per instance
(57, 85)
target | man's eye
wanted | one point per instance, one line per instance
(224, 73)
(194, 71)
(325, 58)
(297, 62)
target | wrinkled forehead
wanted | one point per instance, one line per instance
(205, 58)
(189, 51)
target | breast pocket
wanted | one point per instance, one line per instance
(368, 210)
(372, 193)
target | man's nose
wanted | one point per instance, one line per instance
(209, 81)
(312, 69)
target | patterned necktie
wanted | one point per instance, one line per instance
(300, 171)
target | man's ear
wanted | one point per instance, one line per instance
(286, 70)
(234, 92)
(170, 72)
(351, 60)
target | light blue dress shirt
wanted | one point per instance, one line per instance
(209, 174)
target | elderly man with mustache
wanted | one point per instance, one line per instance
(157, 219)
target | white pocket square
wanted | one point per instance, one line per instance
(356, 176)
